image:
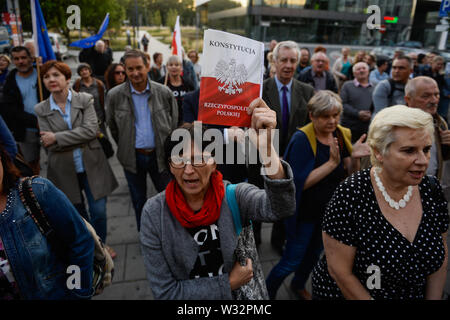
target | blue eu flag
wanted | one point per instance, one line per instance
(40, 28)
(90, 41)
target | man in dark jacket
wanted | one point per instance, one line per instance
(288, 97)
(98, 58)
(317, 76)
(20, 95)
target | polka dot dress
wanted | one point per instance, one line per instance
(353, 217)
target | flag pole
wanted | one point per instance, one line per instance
(36, 47)
(38, 70)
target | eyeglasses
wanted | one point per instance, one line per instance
(196, 162)
(119, 72)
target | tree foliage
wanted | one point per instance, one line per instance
(92, 14)
(148, 8)
(171, 18)
(156, 19)
(219, 5)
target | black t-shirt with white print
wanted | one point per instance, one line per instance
(209, 262)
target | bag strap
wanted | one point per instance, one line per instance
(33, 208)
(232, 203)
(393, 88)
(77, 85)
(101, 93)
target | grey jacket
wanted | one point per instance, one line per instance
(170, 252)
(120, 118)
(61, 166)
(381, 93)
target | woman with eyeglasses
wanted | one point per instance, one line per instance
(187, 233)
(115, 75)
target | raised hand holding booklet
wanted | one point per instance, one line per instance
(232, 76)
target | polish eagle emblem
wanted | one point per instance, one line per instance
(231, 76)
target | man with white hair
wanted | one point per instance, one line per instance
(356, 98)
(97, 58)
(317, 76)
(423, 93)
(288, 97)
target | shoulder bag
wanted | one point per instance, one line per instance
(256, 288)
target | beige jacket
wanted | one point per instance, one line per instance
(61, 166)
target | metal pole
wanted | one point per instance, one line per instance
(19, 34)
(137, 23)
(443, 39)
(197, 16)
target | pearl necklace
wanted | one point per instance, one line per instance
(393, 204)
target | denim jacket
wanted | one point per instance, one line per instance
(38, 271)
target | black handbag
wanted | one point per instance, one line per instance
(106, 146)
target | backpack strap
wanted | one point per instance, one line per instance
(33, 208)
(391, 93)
(232, 203)
(101, 93)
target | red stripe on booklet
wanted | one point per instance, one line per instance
(226, 104)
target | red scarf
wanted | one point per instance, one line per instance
(210, 211)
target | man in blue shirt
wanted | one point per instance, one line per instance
(379, 73)
(141, 114)
(21, 94)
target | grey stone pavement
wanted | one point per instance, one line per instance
(130, 282)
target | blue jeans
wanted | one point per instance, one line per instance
(97, 208)
(303, 248)
(137, 182)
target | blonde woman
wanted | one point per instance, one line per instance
(178, 84)
(385, 229)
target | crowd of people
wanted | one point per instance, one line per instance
(356, 185)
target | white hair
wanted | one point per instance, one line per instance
(173, 59)
(288, 45)
(381, 130)
(411, 86)
(323, 101)
(99, 43)
(359, 63)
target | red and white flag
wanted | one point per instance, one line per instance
(176, 39)
(232, 76)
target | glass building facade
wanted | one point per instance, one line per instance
(316, 21)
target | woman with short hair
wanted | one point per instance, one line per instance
(321, 156)
(76, 161)
(87, 83)
(188, 236)
(158, 69)
(385, 228)
(193, 56)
